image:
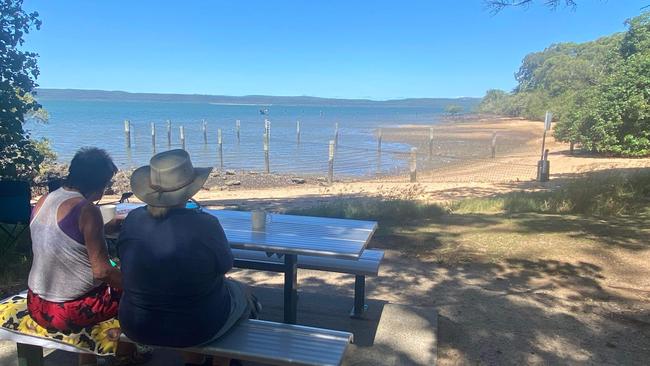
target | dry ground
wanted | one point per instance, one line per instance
(513, 290)
(510, 290)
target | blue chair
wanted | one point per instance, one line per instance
(15, 209)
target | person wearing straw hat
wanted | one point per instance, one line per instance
(174, 261)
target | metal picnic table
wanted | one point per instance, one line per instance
(290, 236)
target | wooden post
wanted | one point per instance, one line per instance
(267, 128)
(237, 128)
(182, 135)
(543, 165)
(430, 143)
(571, 147)
(547, 126)
(494, 145)
(153, 136)
(267, 168)
(127, 133)
(330, 171)
(298, 131)
(220, 144)
(413, 165)
(379, 141)
(204, 127)
(378, 163)
(336, 134)
(169, 133)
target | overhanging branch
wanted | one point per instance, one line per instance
(496, 6)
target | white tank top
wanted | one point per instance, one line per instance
(61, 268)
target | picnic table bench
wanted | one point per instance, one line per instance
(367, 265)
(326, 244)
(251, 340)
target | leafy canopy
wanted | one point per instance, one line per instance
(599, 91)
(19, 155)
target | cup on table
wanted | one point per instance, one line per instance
(258, 219)
(108, 212)
(121, 213)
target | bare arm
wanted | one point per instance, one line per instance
(113, 227)
(92, 228)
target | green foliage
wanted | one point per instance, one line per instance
(454, 109)
(599, 194)
(637, 38)
(387, 211)
(599, 91)
(615, 116)
(45, 150)
(494, 102)
(19, 156)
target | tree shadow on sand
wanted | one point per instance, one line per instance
(516, 312)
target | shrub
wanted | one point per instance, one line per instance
(598, 194)
(388, 211)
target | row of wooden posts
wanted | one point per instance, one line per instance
(204, 129)
(333, 144)
(413, 171)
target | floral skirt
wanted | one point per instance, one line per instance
(15, 322)
(72, 316)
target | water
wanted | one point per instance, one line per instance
(74, 124)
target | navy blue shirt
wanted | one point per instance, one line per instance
(173, 272)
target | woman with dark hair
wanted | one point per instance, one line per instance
(72, 284)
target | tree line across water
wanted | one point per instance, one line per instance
(599, 91)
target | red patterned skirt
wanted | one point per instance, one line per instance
(71, 316)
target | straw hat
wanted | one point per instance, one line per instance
(168, 180)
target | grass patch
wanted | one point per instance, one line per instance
(598, 194)
(386, 211)
(597, 211)
(399, 220)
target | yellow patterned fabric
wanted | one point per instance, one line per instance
(100, 339)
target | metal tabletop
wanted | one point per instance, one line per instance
(290, 234)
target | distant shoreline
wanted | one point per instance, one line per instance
(467, 103)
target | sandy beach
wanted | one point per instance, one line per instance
(469, 170)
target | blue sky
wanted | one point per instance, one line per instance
(345, 49)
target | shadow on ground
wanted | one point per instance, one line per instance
(527, 310)
(523, 312)
(536, 310)
(545, 312)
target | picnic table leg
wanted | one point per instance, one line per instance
(359, 296)
(290, 288)
(29, 355)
